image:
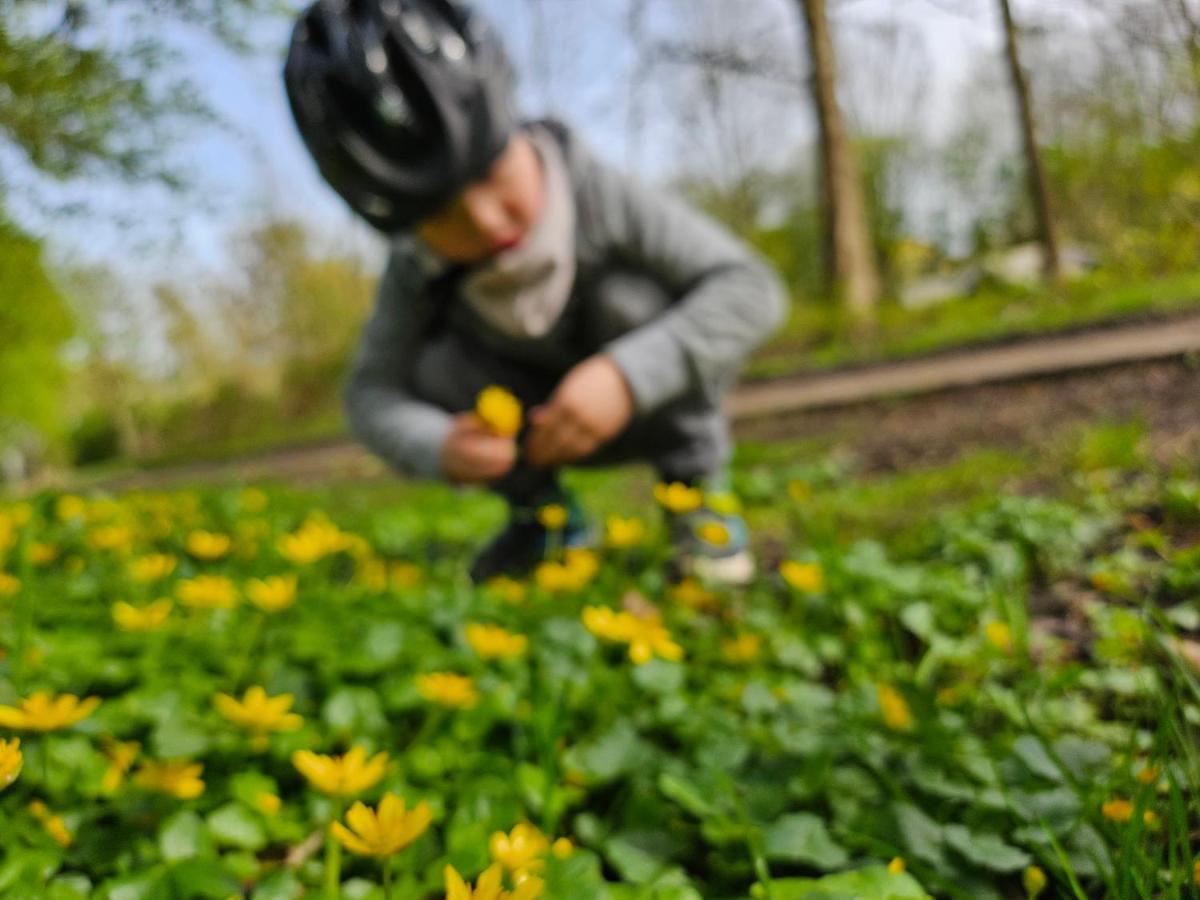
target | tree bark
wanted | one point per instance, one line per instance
(1039, 187)
(849, 254)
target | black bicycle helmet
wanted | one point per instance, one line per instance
(401, 102)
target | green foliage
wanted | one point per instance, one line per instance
(35, 324)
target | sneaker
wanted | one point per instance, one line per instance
(525, 541)
(712, 544)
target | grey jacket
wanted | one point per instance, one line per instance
(726, 301)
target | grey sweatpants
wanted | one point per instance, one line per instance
(684, 440)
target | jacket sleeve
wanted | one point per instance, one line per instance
(729, 300)
(404, 431)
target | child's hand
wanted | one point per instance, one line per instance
(592, 404)
(473, 455)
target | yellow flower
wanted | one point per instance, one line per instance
(714, 533)
(383, 831)
(493, 642)
(313, 541)
(1117, 809)
(9, 585)
(146, 618)
(488, 887)
(622, 533)
(806, 577)
(521, 850)
(111, 537)
(11, 760)
(207, 545)
(896, 714)
(267, 803)
(70, 507)
(207, 592)
(999, 635)
(258, 713)
(121, 756)
(179, 778)
(405, 575)
(1149, 774)
(742, 649)
(272, 594)
(500, 411)
(448, 689)
(562, 848)
(896, 866)
(42, 554)
(553, 517)
(54, 824)
(154, 567)
(42, 712)
(692, 594)
(678, 498)
(1034, 880)
(341, 776)
(646, 635)
(558, 577)
(508, 589)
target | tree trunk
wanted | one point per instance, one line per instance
(849, 255)
(1039, 188)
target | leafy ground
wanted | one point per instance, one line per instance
(815, 337)
(944, 683)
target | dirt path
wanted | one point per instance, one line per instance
(891, 416)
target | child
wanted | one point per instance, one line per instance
(616, 314)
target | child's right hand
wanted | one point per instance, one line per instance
(473, 455)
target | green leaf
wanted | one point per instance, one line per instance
(921, 834)
(202, 878)
(640, 856)
(282, 885)
(233, 825)
(687, 794)
(803, 837)
(617, 751)
(354, 711)
(986, 850)
(659, 676)
(184, 836)
(1033, 754)
(872, 883)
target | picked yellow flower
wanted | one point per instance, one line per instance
(806, 577)
(207, 592)
(448, 689)
(43, 712)
(155, 567)
(624, 533)
(9, 585)
(208, 545)
(341, 776)
(178, 778)
(896, 714)
(11, 761)
(385, 830)
(553, 517)
(257, 713)
(489, 886)
(52, 823)
(493, 642)
(150, 617)
(521, 850)
(272, 594)
(678, 498)
(500, 411)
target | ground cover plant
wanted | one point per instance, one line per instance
(275, 693)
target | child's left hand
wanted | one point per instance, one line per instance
(591, 404)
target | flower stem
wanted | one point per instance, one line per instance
(333, 858)
(387, 877)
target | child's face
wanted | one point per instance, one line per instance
(492, 214)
